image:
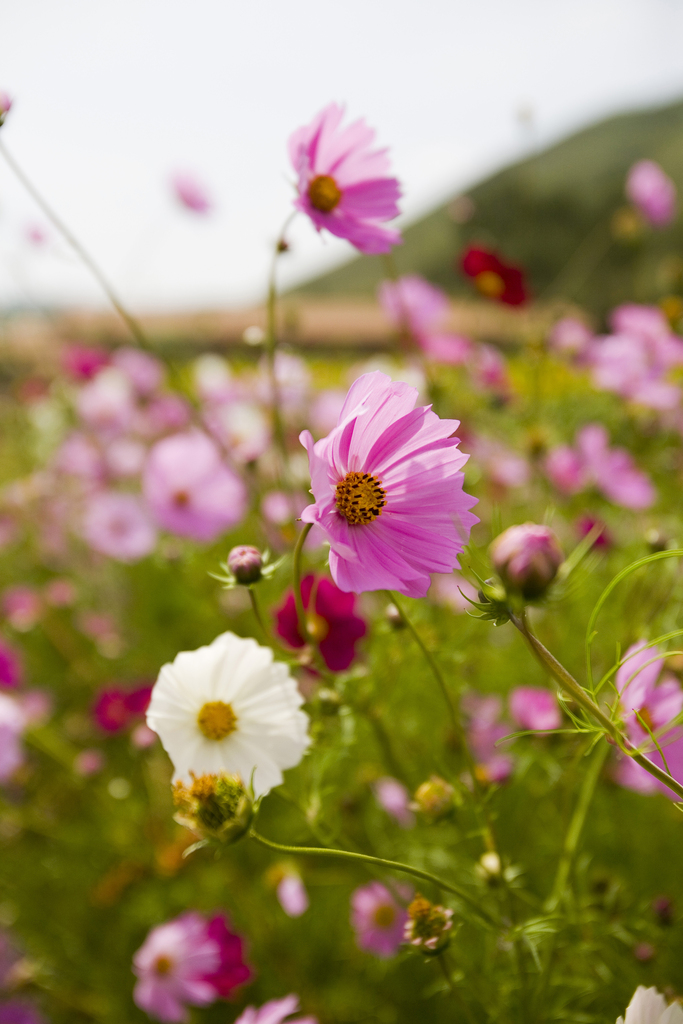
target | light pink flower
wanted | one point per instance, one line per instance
(342, 183)
(417, 307)
(279, 508)
(190, 193)
(610, 470)
(292, 895)
(189, 488)
(106, 402)
(89, 762)
(164, 413)
(213, 379)
(489, 371)
(565, 469)
(22, 607)
(241, 427)
(60, 593)
(658, 704)
(172, 967)
(653, 192)
(570, 335)
(378, 919)
(12, 725)
(145, 373)
(293, 379)
(274, 1012)
(117, 524)
(125, 457)
(36, 706)
(535, 708)
(5, 104)
(79, 456)
(394, 798)
(382, 535)
(485, 730)
(142, 737)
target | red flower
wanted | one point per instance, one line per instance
(332, 625)
(115, 709)
(232, 971)
(494, 278)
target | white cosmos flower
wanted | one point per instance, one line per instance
(648, 1006)
(229, 708)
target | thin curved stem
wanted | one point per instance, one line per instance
(577, 693)
(271, 349)
(393, 865)
(298, 599)
(83, 254)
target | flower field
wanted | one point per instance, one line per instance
(348, 689)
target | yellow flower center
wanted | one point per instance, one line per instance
(384, 916)
(162, 965)
(217, 720)
(317, 627)
(360, 498)
(324, 193)
(490, 284)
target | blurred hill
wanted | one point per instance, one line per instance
(560, 214)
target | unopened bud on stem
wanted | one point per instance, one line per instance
(214, 806)
(246, 564)
(527, 558)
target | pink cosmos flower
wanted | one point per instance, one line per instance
(105, 403)
(142, 737)
(162, 414)
(279, 507)
(394, 798)
(79, 456)
(22, 607)
(658, 703)
(89, 762)
(18, 1011)
(274, 1012)
(12, 725)
(190, 490)
(116, 524)
(115, 708)
(364, 474)
(82, 362)
(378, 919)
(241, 427)
(332, 623)
(653, 192)
(417, 307)
(60, 593)
(293, 379)
(187, 961)
(36, 706)
(10, 666)
(292, 895)
(570, 336)
(342, 183)
(532, 707)
(5, 104)
(125, 457)
(144, 372)
(610, 470)
(190, 193)
(490, 372)
(485, 730)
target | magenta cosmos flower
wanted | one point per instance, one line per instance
(187, 961)
(10, 666)
(190, 490)
(388, 488)
(342, 183)
(116, 708)
(416, 306)
(657, 703)
(274, 1012)
(378, 919)
(331, 622)
(532, 707)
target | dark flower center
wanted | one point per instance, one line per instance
(162, 965)
(385, 915)
(181, 499)
(217, 720)
(360, 498)
(324, 193)
(490, 284)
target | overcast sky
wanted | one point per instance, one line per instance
(112, 96)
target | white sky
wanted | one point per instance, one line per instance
(111, 96)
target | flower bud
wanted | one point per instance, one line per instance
(527, 558)
(245, 563)
(428, 925)
(214, 806)
(434, 798)
(5, 105)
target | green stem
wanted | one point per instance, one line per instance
(575, 829)
(393, 865)
(85, 257)
(271, 350)
(582, 698)
(298, 600)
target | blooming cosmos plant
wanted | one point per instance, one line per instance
(229, 707)
(342, 183)
(384, 535)
(274, 1012)
(649, 1006)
